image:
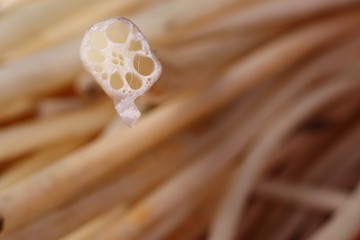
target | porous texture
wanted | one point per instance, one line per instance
(119, 57)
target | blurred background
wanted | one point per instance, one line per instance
(252, 132)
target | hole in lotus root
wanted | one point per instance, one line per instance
(133, 81)
(95, 56)
(143, 65)
(118, 32)
(97, 39)
(115, 81)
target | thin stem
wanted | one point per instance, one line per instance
(248, 173)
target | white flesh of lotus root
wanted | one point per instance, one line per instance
(119, 57)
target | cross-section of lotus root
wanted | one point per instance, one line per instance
(119, 57)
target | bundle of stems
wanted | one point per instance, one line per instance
(250, 133)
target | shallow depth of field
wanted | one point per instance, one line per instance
(252, 132)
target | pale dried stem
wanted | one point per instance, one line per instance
(100, 222)
(323, 199)
(315, 70)
(206, 198)
(345, 224)
(36, 134)
(215, 50)
(36, 162)
(248, 173)
(181, 188)
(41, 73)
(276, 214)
(154, 25)
(260, 15)
(127, 187)
(15, 109)
(164, 16)
(54, 106)
(48, 64)
(341, 116)
(74, 24)
(141, 226)
(196, 225)
(7, 5)
(154, 128)
(211, 132)
(321, 67)
(197, 64)
(321, 32)
(36, 16)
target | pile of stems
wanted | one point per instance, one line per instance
(250, 133)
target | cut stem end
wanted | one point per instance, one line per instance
(128, 112)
